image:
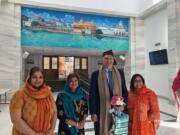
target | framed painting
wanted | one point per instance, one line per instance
(52, 28)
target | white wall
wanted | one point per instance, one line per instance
(156, 1)
(144, 4)
(93, 64)
(156, 30)
(123, 6)
(10, 56)
(36, 60)
(112, 5)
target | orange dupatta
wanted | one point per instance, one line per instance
(143, 112)
(45, 107)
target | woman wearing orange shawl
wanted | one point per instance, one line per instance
(32, 108)
(143, 108)
(176, 93)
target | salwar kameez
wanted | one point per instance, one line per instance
(143, 112)
(71, 106)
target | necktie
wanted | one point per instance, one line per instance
(110, 79)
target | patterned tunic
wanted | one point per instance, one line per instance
(27, 105)
(81, 109)
(120, 124)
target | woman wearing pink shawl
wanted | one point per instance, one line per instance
(176, 93)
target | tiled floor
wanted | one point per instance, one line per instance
(168, 124)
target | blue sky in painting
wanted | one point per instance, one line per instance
(70, 17)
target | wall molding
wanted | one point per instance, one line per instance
(153, 9)
(30, 3)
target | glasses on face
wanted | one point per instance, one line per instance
(138, 80)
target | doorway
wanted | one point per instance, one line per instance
(50, 67)
(66, 66)
(59, 67)
(81, 66)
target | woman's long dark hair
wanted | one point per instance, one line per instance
(133, 80)
(32, 71)
(72, 75)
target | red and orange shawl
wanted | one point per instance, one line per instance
(176, 83)
(143, 112)
(45, 107)
(37, 107)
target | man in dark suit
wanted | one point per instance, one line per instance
(105, 83)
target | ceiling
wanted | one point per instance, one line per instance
(112, 7)
(66, 51)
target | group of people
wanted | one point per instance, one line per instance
(33, 110)
(108, 90)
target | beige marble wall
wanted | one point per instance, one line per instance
(10, 56)
(173, 38)
(135, 58)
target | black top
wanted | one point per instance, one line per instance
(81, 109)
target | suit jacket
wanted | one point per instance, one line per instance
(94, 99)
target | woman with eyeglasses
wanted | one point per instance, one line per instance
(143, 108)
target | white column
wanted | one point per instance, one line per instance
(135, 58)
(10, 56)
(173, 39)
